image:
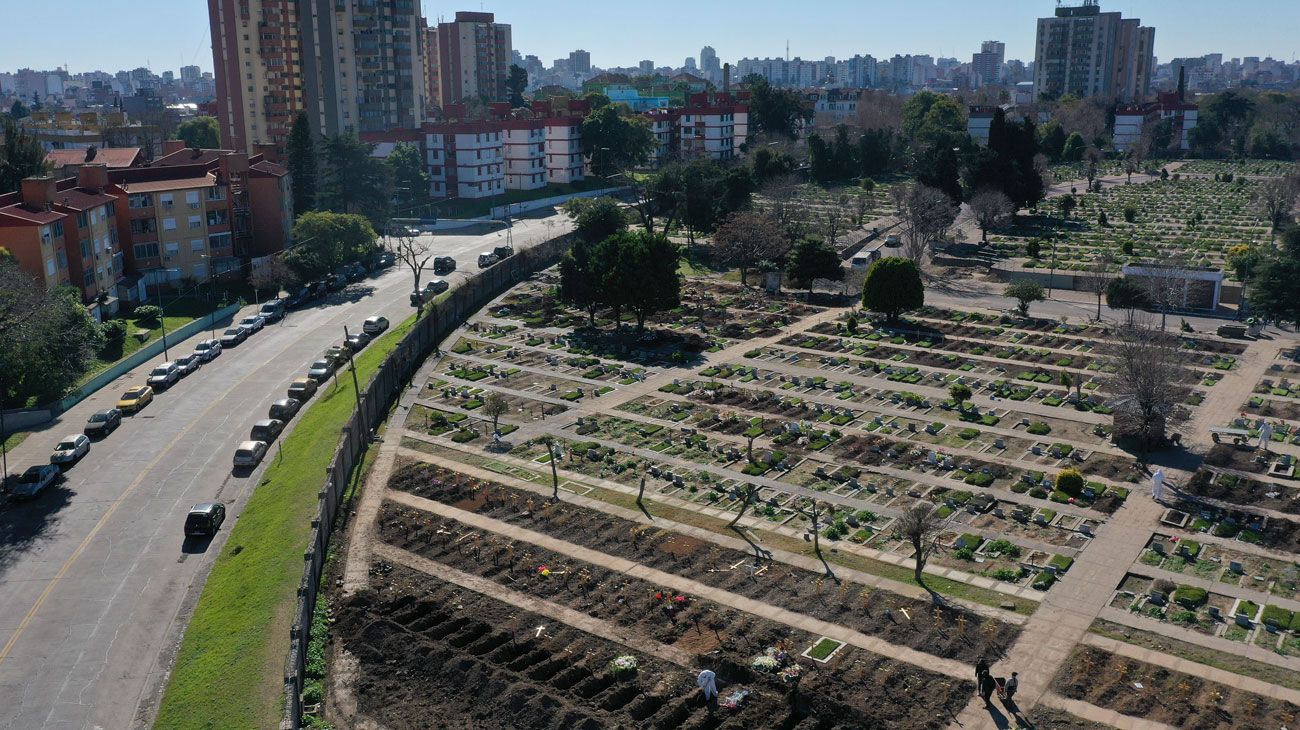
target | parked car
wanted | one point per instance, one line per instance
(320, 370)
(102, 423)
(503, 252)
(337, 354)
(354, 272)
(253, 322)
(374, 325)
(302, 388)
(266, 430)
(135, 398)
(188, 364)
(204, 519)
(34, 481)
(443, 265)
(437, 286)
(357, 340)
(71, 449)
(208, 350)
(486, 259)
(249, 453)
(164, 376)
(272, 311)
(283, 409)
(298, 298)
(233, 336)
(337, 281)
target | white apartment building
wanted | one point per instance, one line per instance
(564, 162)
(525, 154)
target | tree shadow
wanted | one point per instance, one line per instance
(24, 526)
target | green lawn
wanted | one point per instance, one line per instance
(229, 670)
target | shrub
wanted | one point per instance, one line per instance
(114, 331)
(148, 315)
(1183, 617)
(1003, 547)
(1247, 608)
(1278, 615)
(1009, 575)
(1130, 213)
(1191, 596)
(1044, 580)
(979, 479)
(1038, 428)
(1034, 249)
(1070, 481)
(964, 553)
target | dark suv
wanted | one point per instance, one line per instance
(205, 519)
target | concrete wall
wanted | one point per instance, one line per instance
(500, 211)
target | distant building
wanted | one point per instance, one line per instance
(470, 59)
(646, 67)
(580, 61)
(986, 66)
(978, 121)
(1085, 52)
(834, 106)
(1134, 119)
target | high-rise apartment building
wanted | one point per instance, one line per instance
(646, 67)
(1086, 52)
(580, 60)
(256, 56)
(469, 58)
(710, 67)
(986, 66)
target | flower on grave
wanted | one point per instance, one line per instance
(790, 674)
(625, 664)
(659, 595)
(681, 600)
(765, 663)
(543, 570)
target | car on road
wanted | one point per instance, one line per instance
(253, 322)
(135, 398)
(437, 286)
(34, 481)
(486, 259)
(266, 430)
(504, 252)
(320, 370)
(71, 449)
(338, 354)
(357, 340)
(283, 409)
(250, 453)
(164, 376)
(188, 364)
(302, 389)
(272, 311)
(443, 265)
(102, 423)
(374, 325)
(204, 519)
(208, 350)
(234, 336)
(298, 298)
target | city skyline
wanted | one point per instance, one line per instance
(881, 31)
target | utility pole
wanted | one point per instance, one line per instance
(356, 387)
(4, 447)
(162, 319)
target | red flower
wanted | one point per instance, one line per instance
(659, 596)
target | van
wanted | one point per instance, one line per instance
(273, 310)
(486, 259)
(444, 265)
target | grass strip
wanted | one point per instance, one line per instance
(1196, 653)
(229, 670)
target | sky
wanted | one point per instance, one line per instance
(622, 33)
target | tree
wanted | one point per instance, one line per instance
(21, 156)
(893, 286)
(516, 82)
(595, 219)
(1165, 282)
(1275, 199)
(614, 142)
(1052, 140)
(921, 524)
(1074, 148)
(768, 164)
(778, 112)
(200, 133)
(651, 283)
(812, 260)
(352, 180)
(1149, 382)
(1098, 277)
(747, 494)
(1067, 204)
(47, 338)
(302, 165)
(19, 110)
(555, 476)
(1273, 286)
(273, 275)
(1025, 293)
(596, 99)
(925, 214)
(990, 208)
(413, 252)
(746, 239)
(1126, 293)
(325, 241)
(811, 509)
(580, 278)
(406, 167)
(495, 406)
(960, 393)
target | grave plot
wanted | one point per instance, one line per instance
(1225, 566)
(1063, 171)
(809, 206)
(1220, 612)
(1198, 220)
(948, 632)
(1240, 490)
(465, 375)
(1262, 168)
(1153, 693)
(1224, 520)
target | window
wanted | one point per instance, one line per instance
(143, 225)
(169, 224)
(219, 240)
(82, 220)
(167, 199)
(196, 221)
(217, 192)
(110, 210)
(85, 248)
(172, 248)
(196, 245)
(139, 200)
(63, 258)
(57, 229)
(146, 250)
(49, 267)
(192, 199)
(218, 217)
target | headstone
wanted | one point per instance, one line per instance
(1236, 567)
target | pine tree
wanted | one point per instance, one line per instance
(302, 165)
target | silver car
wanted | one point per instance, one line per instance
(70, 449)
(250, 453)
(207, 350)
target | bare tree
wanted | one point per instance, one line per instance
(925, 214)
(861, 206)
(495, 406)
(1149, 383)
(273, 275)
(1138, 153)
(830, 226)
(747, 238)
(1165, 281)
(781, 195)
(1092, 163)
(555, 476)
(748, 494)
(990, 208)
(921, 525)
(811, 509)
(1098, 277)
(879, 109)
(1275, 200)
(415, 253)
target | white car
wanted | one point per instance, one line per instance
(320, 370)
(207, 350)
(70, 449)
(374, 325)
(253, 322)
(163, 376)
(250, 453)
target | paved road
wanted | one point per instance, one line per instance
(96, 580)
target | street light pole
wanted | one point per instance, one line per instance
(4, 446)
(162, 318)
(356, 387)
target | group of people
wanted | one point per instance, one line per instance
(986, 685)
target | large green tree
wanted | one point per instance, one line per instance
(410, 180)
(21, 156)
(648, 280)
(581, 277)
(353, 180)
(778, 112)
(595, 219)
(47, 338)
(1273, 288)
(323, 242)
(811, 260)
(893, 286)
(615, 142)
(302, 165)
(516, 82)
(202, 133)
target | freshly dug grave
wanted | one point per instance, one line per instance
(953, 633)
(1181, 700)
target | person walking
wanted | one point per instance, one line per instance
(981, 667)
(1011, 685)
(987, 686)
